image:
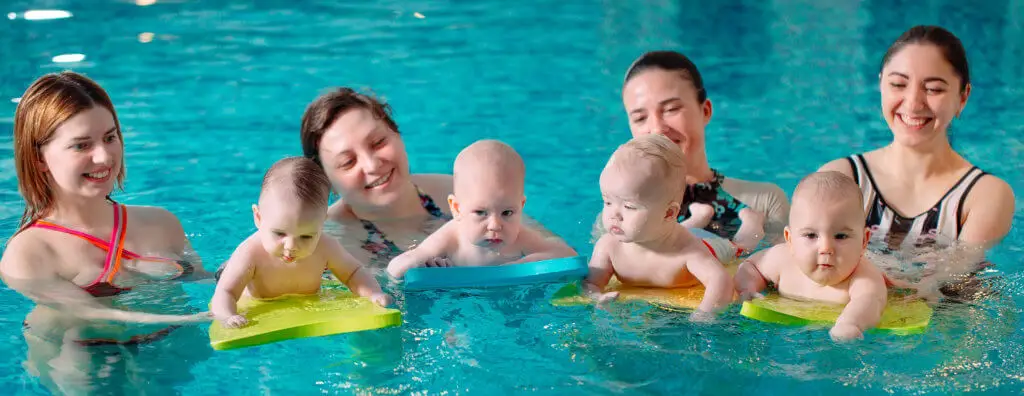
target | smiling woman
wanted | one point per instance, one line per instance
(918, 191)
(69, 155)
(384, 206)
(664, 94)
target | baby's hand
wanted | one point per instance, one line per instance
(381, 299)
(845, 332)
(438, 262)
(700, 316)
(602, 298)
(234, 322)
(750, 295)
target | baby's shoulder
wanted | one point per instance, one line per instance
(445, 236)
(776, 260)
(607, 244)
(251, 248)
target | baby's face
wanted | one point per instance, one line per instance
(489, 214)
(288, 230)
(629, 214)
(826, 239)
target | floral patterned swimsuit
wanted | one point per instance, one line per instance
(380, 246)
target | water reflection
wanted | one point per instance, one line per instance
(40, 15)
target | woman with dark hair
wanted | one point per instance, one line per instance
(353, 137)
(918, 191)
(664, 93)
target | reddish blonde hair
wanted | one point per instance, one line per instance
(47, 103)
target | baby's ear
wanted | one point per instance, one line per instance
(256, 215)
(523, 205)
(453, 204)
(673, 211)
(867, 237)
(785, 234)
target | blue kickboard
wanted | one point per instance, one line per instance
(569, 268)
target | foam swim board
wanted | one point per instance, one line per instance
(671, 299)
(334, 310)
(569, 268)
(900, 317)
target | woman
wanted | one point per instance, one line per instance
(353, 137)
(918, 191)
(385, 209)
(663, 93)
(77, 253)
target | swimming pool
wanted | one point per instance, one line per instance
(210, 94)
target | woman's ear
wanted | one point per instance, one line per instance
(966, 94)
(707, 110)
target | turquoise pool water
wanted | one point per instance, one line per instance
(210, 94)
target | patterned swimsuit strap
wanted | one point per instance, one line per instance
(120, 217)
(114, 246)
(379, 244)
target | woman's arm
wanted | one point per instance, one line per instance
(32, 274)
(766, 198)
(182, 246)
(988, 212)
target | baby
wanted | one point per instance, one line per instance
(823, 256)
(286, 255)
(485, 229)
(644, 245)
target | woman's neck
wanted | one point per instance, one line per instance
(80, 213)
(406, 206)
(697, 169)
(922, 163)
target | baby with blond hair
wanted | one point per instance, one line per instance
(286, 255)
(486, 226)
(643, 244)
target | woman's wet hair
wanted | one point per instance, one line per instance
(49, 102)
(328, 107)
(669, 61)
(301, 177)
(951, 47)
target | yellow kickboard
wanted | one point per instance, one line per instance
(334, 310)
(900, 317)
(672, 299)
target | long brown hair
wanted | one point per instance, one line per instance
(47, 103)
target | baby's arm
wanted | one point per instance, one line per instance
(600, 271)
(238, 272)
(352, 273)
(438, 244)
(754, 273)
(867, 301)
(536, 247)
(711, 273)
